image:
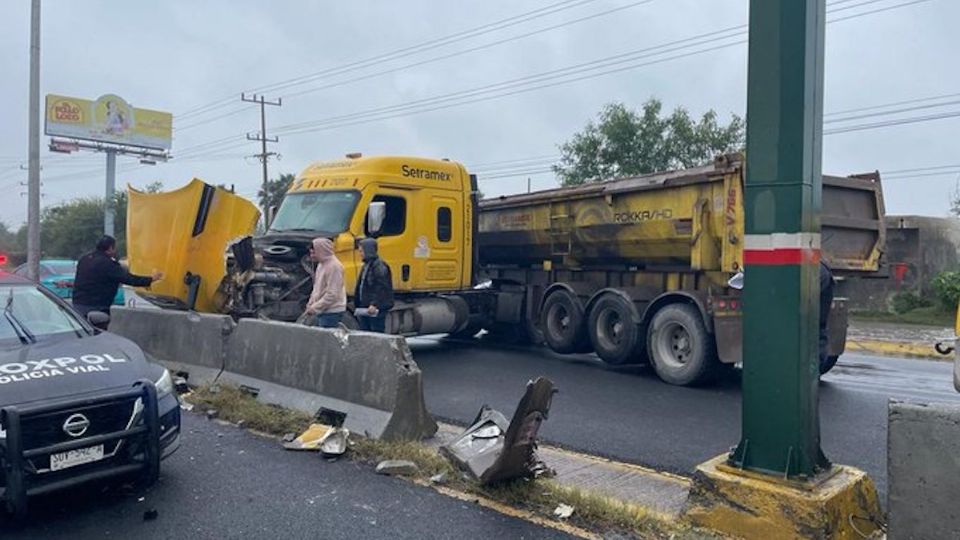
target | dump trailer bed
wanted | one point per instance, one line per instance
(689, 219)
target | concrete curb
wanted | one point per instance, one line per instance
(896, 348)
(370, 377)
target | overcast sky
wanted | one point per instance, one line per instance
(180, 55)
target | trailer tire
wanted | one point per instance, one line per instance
(563, 323)
(828, 363)
(680, 348)
(614, 331)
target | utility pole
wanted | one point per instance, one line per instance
(108, 206)
(33, 176)
(262, 137)
(781, 253)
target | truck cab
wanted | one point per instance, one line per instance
(425, 236)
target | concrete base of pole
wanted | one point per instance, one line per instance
(841, 503)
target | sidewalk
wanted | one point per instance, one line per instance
(893, 339)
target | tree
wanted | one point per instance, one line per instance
(275, 190)
(625, 142)
(71, 229)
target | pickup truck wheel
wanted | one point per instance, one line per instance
(614, 332)
(563, 323)
(680, 348)
(827, 364)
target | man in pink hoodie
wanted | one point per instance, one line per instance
(328, 300)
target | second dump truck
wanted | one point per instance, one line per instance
(633, 269)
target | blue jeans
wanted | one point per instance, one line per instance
(374, 324)
(329, 320)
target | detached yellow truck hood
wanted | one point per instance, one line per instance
(185, 234)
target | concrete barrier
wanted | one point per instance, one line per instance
(191, 338)
(923, 466)
(370, 377)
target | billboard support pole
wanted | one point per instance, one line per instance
(108, 199)
(33, 176)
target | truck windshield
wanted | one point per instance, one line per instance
(324, 211)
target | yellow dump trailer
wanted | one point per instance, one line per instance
(634, 269)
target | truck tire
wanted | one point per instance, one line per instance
(680, 348)
(827, 364)
(614, 331)
(563, 323)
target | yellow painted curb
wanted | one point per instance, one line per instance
(512, 512)
(896, 348)
(840, 505)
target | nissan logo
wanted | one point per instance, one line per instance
(76, 425)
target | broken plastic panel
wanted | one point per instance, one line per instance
(492, 450)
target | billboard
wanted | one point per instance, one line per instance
(108, 119)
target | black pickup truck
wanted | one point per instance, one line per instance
(76, 404)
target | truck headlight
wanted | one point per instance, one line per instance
(164, 384)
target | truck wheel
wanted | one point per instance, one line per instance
(828, 363)
(614, 332)
(563, 323)
(680, 348)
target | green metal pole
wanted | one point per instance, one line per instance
(781, 429)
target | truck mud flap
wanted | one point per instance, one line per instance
(24, 478)
(185, 234)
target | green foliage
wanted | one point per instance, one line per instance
(71, 229)
(947, 288)
(275, 190)
(904, 302)
(625, 142)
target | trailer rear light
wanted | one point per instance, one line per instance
(722, 304)
(734, 305)
(3, 259)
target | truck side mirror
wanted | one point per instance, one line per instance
(375, 216)
(271, 213)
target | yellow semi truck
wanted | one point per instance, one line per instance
(634, 269)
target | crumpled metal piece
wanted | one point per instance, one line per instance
(493, 450)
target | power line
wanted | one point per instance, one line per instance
(406, 51)
(693, 41)
(465, 51)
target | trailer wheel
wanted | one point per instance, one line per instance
(827, 364)
(680, 348)
(614, 332)
(563, 323)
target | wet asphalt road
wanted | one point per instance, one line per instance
(630, 415)
(226, 483)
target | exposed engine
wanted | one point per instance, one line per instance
(269, 277)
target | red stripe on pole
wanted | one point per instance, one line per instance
(779, 257)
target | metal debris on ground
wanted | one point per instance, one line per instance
(397, 467)
(335, 443)
(212, 413)
(186, 406)
(563, 511)
(492, 450)
(289, 437)
(180, 384)
(439, 478)
(329, 440)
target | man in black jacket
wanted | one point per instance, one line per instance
(99, 275)
(373, 296)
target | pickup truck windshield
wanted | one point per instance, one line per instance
(325, 211)
(38, 314)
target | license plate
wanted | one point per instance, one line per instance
(72, 458)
